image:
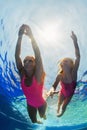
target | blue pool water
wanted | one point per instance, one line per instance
(51, 22)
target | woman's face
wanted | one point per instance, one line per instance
(29, 64)
(66, 64)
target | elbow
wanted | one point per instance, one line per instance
(78, 57)
(16, 56)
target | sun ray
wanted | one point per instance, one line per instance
(50, 32)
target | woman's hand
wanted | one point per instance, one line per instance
(21, 30)
(73, 36)
(25, 29)
(28, 31)
(51, 92)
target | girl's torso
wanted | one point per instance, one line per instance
(67, 85)
(33, 91)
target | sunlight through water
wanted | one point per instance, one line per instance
(51, 23)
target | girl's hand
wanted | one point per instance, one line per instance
(73, 36)
(51, 92)
(28, 31)
(21, 30)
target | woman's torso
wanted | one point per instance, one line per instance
(33, 93)
(67, 85)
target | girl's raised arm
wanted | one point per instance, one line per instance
(77, 54)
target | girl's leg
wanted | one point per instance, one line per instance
(42, 111)
(64, 105)
(60, 101)
(32, 112)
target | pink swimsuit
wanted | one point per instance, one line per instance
(33, 93)
(67, 89)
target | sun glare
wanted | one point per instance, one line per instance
(51, 32)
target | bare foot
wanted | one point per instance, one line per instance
(39, 122)
(44, 117)
(59, 114)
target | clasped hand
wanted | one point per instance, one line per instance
(25, 29)
(51, 92)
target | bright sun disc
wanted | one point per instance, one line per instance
(51, 32)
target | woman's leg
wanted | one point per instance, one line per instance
(64, 105)
(32, 112)
(60, 101)
(42, 111)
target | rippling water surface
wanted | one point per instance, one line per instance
(51, 23)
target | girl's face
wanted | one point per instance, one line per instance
(29, 64)
(66, 64)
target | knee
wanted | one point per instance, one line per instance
(59, 103)
(43, 116)
(64, 107)
(34, 121)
